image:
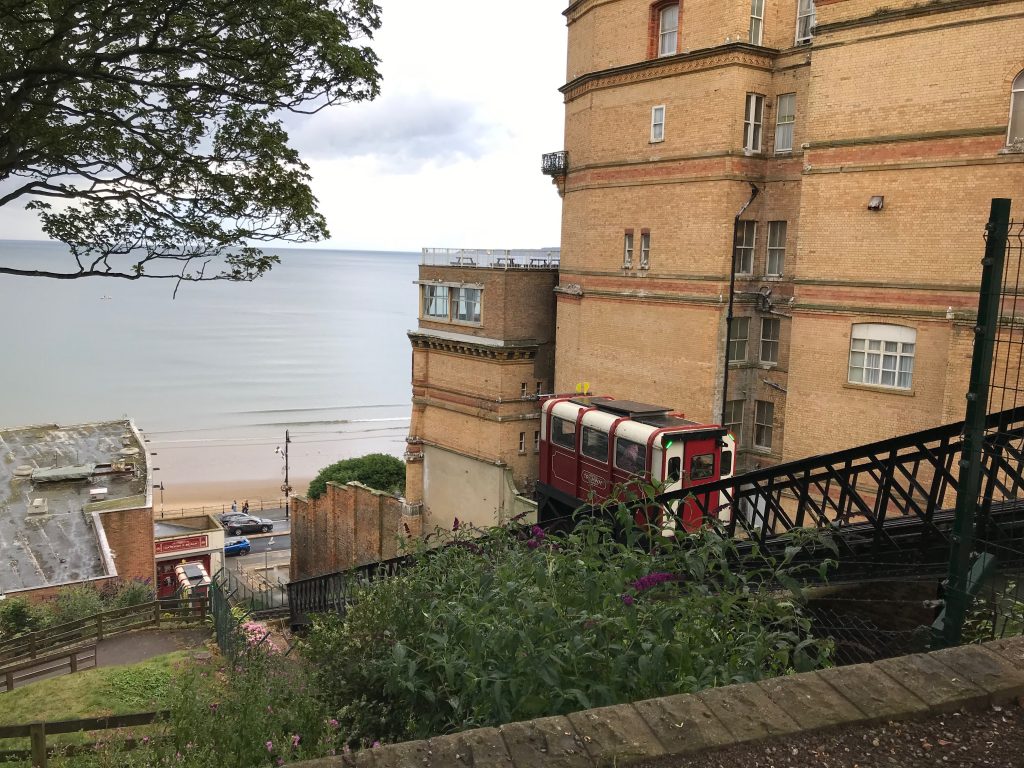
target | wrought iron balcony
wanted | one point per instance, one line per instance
(499, 258)
(555, 163)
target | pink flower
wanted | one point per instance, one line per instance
(270, 746)
(333, 723)
(375, 745)
(295, 740)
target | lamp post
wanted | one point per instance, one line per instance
(285, 487)
(160, 485)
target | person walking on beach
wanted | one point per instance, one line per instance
(245, 507)
(234, 506)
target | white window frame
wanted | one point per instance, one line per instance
(645, 250)
(753, 119)
(657, 124)
(785, 119)
(1016, 123)
(522, 442)
(627, 249)
(434, 296)
(733, 421)
(668, 38)
(882, 355)
(805, 18)
(764, 424)
(536, 441)
(464, 302)
(756, 22)
(737, 341)
(771, 332)
(743, 248)
(775, 263)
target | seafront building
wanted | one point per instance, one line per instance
(837, 157)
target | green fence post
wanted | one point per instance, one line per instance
(37, 732)
(962, 538)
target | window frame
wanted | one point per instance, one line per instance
(735, 339)
(587, 431)
(805, 9)
(464, 291)
(536, 441)
(622, 444)
(557, 432)
(442, 290)
(707, 469)
(522, 443)
(664, 34)
(753, 123)
(1016, 103)
(645, 248)
(764, 424)
(776, 248)
(733, 422)
(884, 335)
(627, 249)
(780, 122)
(741, 251)
(657, 126)
(770, 342)
(754, 17)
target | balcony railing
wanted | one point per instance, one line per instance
(496, 258)
(555, 163)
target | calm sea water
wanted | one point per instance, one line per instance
(318, 346)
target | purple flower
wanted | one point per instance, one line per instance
(295, 740)
(280, 761)
(270, 746)
(533, 543)
(651, 580)
(538, 532)
(628, 599)
(455, 525)
(375, 744)
(333, 723)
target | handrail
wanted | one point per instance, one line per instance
(78, 659)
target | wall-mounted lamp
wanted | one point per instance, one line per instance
(876, 202)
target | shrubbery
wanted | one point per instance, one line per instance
(380, 471)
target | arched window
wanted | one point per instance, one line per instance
(1015, 132)
(882, 355)
(668, 30)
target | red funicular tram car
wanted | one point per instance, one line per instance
(589, 445)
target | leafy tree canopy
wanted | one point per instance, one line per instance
(376, 470)
(147, 134)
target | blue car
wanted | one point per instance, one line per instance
(237, 546)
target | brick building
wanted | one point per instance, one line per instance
(840, 158)
(482, 353)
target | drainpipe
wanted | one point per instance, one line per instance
(732, 285)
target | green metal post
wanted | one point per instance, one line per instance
(962, 540)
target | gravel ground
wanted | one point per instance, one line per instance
(993, 738)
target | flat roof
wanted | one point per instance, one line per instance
(47, 531)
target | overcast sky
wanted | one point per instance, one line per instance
(449, 154)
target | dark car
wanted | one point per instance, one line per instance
(239, 524)
(237, 546)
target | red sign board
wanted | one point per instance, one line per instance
(180, 545)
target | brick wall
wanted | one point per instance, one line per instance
(129, 533)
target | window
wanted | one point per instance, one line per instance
(668, 30)
(467, 305)
(756, 21)
(540, 388)
(536, 441)
(785, 116)
(630, 456)
(645, 250)
(770, 328)
(743, 257)
(764, 416)
(435, 301)
(522, 442)
(733, 420)
(675, 466)
(882, 355)
(658, 123)
(752, 122)
(563, 433)
(522, 389)
(627, 249)
(595, 444)
(702, 466)
(1015, 131)
(776, 248)
(738, 339)
(804, 21)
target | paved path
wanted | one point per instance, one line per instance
(134, 647)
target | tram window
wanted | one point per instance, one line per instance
(726, 463)
(595, 444)
(563, 433)
(702, 466)
(675, 466)
(630, 456)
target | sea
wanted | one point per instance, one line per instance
(216, 375)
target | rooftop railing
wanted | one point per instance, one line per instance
(495, 258)
(554, 163)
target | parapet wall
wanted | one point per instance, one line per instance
(348, 525)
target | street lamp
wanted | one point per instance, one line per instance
(160, 485)
(285, 487)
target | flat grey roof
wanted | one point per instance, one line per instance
(47, 534)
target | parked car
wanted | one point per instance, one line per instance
(247, 524)
(237, 546)
(228, 515)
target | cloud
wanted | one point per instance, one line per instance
(403, 133)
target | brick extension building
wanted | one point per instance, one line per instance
(875, 132)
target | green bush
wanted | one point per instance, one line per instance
(376, 470)
(515, 625)
(18, 616)
(128, 592)
(72, 604)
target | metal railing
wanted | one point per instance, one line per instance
(259, 505)
(492, 258)
(554, 163)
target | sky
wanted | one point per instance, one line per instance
(449, 154)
